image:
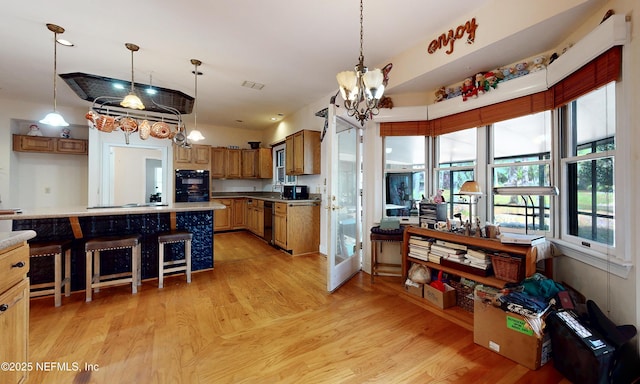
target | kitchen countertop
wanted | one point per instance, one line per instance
(275, 199)
(128, 209)
(9, 239)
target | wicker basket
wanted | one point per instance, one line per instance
(464, 295)
(507, 268)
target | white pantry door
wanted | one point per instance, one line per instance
(343, 200)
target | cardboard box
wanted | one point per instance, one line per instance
(509, 335)
(440, 299)
(413, 288)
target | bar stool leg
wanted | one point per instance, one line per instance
(89, 275)
(134, 270)
(96, 270)
(57, 279)
(138, 252)
(67, 273)
(187, 256)
(161, 265)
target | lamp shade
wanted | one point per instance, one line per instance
(348, 82)
(54, 119)
(373, 84)
(470, 187)
(195, 135)
(132, 101)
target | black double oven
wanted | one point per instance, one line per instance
(192, 185)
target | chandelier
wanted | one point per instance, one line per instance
(54, 118)
(362, 89)
(131, 100)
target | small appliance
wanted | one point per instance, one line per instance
(192, 185)
(295, 192)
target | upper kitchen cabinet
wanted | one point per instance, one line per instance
(225, 163)
(303, 153)
(42, 144)
(196, 157)
(257, 163)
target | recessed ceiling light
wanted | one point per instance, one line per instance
(274, 118)
(118, 86)
(151, 91)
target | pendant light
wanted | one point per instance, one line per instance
(362, 86)
(54, 118)
(195, 134)
(131, 100)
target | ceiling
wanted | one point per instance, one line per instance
(293, 47)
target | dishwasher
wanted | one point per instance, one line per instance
(268, 222)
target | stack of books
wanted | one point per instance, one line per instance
(477, 259)
(419, 248)
(447, 250)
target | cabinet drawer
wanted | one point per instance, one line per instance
(281, 208)
(10, 270)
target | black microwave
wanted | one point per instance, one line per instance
(295, 192)
(192, 186)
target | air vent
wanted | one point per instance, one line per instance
(252, 85)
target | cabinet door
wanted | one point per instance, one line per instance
(298, 153)
(33, 143)
(288, 161)
(280, 225)
(73, 146)
(265, 163)
(222, 217)
(234, 161)
(181, 155)
(218, 163)
(249, 163)
(14, 327)
(239, 211)
(200, 155)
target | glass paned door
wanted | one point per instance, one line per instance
(344, 202)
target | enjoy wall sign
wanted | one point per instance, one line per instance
(448, 38)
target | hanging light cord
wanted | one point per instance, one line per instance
(55, 68)
(195, 104)
(361, 58)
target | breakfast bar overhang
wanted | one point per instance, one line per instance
(81, 223)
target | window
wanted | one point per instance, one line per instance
(589, 170)
(279, 174)
(457, 154)
(404, 167)
(522, 158)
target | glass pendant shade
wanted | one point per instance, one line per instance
(373, 84)
(132, 101)
(54, 119)
(348, 82)
(195, 135)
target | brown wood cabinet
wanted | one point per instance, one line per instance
(255, 216)
(303, 153)
(196, 157)
(296, 227)
(225, 163)
(42, 144)
(14, 311)
(239, 213)
(222, 217)
(257, 163)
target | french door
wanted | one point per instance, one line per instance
(344, 169)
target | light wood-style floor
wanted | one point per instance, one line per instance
(260, 316)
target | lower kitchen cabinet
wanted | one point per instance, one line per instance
(222, 217)
(14, 312)
(296, 227)
(239, 213)
(255, 216)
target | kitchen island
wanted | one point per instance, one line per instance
(82, 223)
